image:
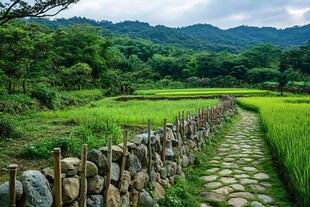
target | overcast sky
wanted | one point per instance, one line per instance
(178, 13)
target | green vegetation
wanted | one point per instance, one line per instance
(286, 121)
(80, 56)
(133, 112)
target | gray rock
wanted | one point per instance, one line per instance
(49, 174)
(163, 172)
(145, 200)
(70, 189)
(117, 152)
(73, 204)
(91, 169)
(37, 191)
(94, 201)
(70, 166)
(159, 191)
(125, 182)
(99, 159)
(185, 161)
(95, 184)
(213, 196)
(4, 192)
(130, 145)
(133, 164)
(141, 153)
(115, 172)
(125, 200)
(169, 154)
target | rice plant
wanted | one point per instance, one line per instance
(287, 124)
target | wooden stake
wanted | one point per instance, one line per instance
(177, 128)
(12, 184)
(149, 146)
(57, 178)
(83, 172)
(163, 154)
(125, 133)
(108, 181)
(183, 124)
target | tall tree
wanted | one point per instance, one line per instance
(15, 9)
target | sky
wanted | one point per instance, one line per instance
(178, 13)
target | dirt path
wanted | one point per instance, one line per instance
(241, 172)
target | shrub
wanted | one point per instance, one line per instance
(7, 130)
(45, 96)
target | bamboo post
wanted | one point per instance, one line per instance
(149, 147)
(183, 124)
(57, 178)
(202, 117)
(177, 128)
(124, 157)
(163, 155)
(12, 184)
(83, 172)
(108, 181)
(199, 119)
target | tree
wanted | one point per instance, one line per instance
(260, 75)
(39, 8)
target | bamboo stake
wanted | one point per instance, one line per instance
(57, 179)
(108, 181)
(12, 184)
(149, 146)
(183, 124)
(125, 132)
(163, 155)
(83, 172)
(177, 128)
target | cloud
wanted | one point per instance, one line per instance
(176, 13)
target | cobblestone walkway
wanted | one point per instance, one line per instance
(237, 177)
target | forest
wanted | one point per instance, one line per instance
(80, 56)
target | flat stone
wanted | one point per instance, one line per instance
(247, 159)
(223, 149)
(237, 202)
(264, 198)
(257, 187)
(224, 190)
(213, 185)
(249, 169)
(209, 178)
(214, 161)
(247, 181)
(205, 205)
(238, 171)
(257, 204)
(213, 196)
(261, 176)
(213, 170)
(242, 176)
(217, 158)
(228, 180)
(237, 186)
(225, 172)
(229, 159)
(242, 194)
(267, 184)
(230, 165)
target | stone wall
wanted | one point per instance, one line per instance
(183, 139)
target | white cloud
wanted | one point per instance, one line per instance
(176, 13)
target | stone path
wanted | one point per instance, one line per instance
(236, 177)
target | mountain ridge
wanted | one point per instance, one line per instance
(197, 36)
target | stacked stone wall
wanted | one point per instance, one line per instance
(183, 139)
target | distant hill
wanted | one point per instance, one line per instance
(199, 36)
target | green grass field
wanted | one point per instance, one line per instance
(202, 92)
(287, 123)
(133, 112)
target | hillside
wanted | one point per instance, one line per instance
(200, 36)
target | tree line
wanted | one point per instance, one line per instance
(81, 56)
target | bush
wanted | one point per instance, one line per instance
(7, 130)
(45, 96)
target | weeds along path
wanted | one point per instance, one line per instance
(241, 173)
